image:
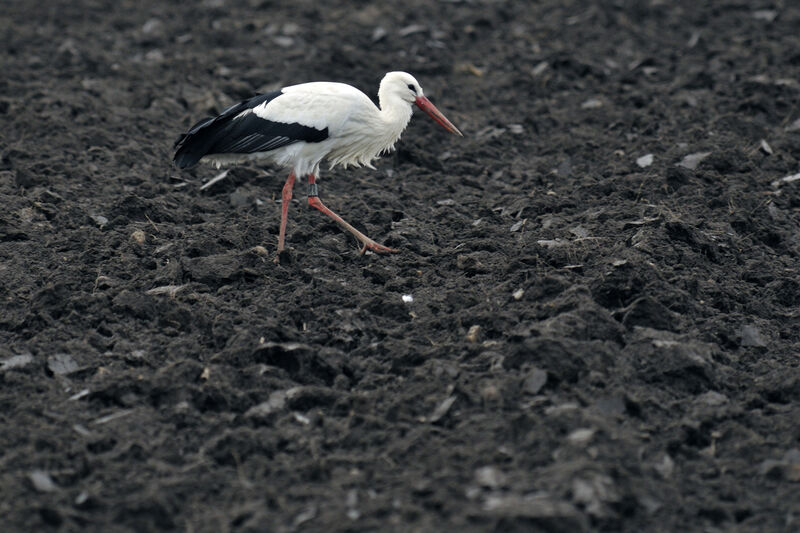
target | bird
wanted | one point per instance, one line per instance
(299, 126)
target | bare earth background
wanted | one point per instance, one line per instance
(594, 343)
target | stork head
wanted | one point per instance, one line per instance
(404, 86)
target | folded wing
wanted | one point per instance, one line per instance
(238, 130)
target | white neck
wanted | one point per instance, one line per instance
(383, 128)
(395, 114)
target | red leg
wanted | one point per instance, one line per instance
(286, 197)
(314, 201)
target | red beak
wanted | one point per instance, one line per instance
(426, 105)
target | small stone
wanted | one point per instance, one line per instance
(552, 243)
(535, 381)
(408, 298)
(260, 250)
(557, 410)
(751, 336)
(155, 56)
(650, 505)
(100, 220)
(16, 361)
(81, 498)
(771, 468)
(592, 103)
(767, 15)
(490, 477)
(594, 493)
(138, 236)
(539, 68)
(275, 403)
(290, 28)
(517, 294)
(473, 333)
(712, 398)
(579, 232)
(411, 29)
(283, 41)
(472, 492)
(170, 290)
(794, 126)
(42, 481)
(152, 26)
(490, 393)
(692, 160)
(645, 161)
(306, 514)
(665, 467)
(164, 247)
(442, 409)
(378, 33)
(240, 199)
(581, 436)
(61, 364)
(539, 505)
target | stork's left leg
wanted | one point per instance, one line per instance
(286, 199)
(314, 201)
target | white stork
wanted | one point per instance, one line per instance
(299, 126)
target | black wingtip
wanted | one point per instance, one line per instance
(192, 146)
(184, 160)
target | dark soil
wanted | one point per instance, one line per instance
(592, 345)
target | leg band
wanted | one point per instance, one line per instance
(312, 190)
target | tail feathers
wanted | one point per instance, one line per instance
(193, 145)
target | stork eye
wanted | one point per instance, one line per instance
(411, 86)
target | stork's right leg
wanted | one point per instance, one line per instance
(286, 197)
(314, 201)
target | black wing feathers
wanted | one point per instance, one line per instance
(245, 135)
